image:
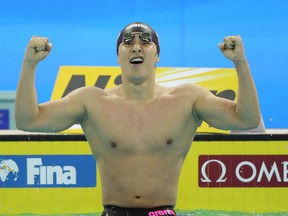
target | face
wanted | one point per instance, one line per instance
(137, 58)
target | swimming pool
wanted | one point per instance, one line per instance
(180, 213)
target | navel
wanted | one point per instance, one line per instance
(169, 141)
(137, 197)
(113, 144)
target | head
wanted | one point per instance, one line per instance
(137, 52)
(141, 28)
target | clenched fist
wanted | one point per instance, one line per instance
(38, 48)
(232, 48)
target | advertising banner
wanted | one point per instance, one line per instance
(47, 171)
(236, 175)
(48, 177)
(61, 177)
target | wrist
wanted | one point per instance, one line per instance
(242, 61)
(29, 63)
(29, 66)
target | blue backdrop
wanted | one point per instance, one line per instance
(84, 32)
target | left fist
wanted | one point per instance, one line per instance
(232, 48)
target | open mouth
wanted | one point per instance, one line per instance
(136, 60)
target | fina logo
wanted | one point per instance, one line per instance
(8, 168)
(45, 174)
(36, 170)
(42, 171)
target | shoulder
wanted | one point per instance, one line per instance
(113, 91)
(190, 90)
(193, 94)
(92, 89)
(86, 93)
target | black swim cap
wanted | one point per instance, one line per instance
(138, 27)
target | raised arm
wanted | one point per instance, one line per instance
(52, 116)
(226, 114)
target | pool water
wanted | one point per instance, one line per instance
(180, 213)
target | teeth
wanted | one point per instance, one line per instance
(138, 60)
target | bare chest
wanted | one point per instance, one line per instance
(141, 126)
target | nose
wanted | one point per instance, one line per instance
(137, 45)
(136, 48)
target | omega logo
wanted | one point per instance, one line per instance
(204, 174)
(243, 170)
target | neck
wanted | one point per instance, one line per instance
(140, 91)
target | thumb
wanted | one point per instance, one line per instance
(48, 47)
(228, 53)
(221, 46)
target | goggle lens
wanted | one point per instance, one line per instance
(127, 37)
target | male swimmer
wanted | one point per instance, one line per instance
(139, 132)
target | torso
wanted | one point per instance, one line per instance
(140, 148)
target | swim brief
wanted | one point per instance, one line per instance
(110, 210)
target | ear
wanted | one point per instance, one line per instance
(157, 58)
(118, 59)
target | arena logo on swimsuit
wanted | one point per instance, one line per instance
(161, 212)
(47, 171)
(243, 171)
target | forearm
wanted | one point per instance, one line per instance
(26, 104)
(247, 98)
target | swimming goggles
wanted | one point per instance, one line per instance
(145, 36)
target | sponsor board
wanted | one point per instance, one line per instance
(26, 183)
(246, 176)
(243, 171)
(4, 119)
(40, 171)
(259, 167)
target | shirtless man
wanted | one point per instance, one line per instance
(139, 132)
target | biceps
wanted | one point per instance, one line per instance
(218, 112)
(56, 116)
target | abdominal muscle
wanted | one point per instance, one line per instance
(140, 181)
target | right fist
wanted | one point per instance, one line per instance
(38, 48)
